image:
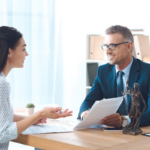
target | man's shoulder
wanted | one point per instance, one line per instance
(106, 67)
(143, 65)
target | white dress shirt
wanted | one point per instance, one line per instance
(125, 77)
(8, 128)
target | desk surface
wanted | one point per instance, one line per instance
(88, 139)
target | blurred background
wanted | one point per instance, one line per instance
(56, 33)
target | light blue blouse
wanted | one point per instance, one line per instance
(8, 128)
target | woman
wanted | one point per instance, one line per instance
(12, 55)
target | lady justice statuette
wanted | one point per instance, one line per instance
(134, 111)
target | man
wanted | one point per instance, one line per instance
(111, 78)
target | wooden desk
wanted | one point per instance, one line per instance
(89, 139)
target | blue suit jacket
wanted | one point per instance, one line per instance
(104, 86)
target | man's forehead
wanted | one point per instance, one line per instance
(113, 38)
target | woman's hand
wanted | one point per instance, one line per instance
(40, 117)
(42, 120)
(55, 113)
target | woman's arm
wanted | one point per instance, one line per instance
(18, 117)
(8, 129)
(48, 112)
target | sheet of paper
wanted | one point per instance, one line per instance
(99, 110)
(100, 126)
(37, 129)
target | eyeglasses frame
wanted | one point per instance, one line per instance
(114, 45)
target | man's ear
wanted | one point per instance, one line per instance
(130, 45)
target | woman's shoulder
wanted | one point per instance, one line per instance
(4, 88)
(3, 82)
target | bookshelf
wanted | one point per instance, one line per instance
(94, 58)
(91, 71)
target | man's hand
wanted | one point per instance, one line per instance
(114, 120)
(123, 93)
(85, 113)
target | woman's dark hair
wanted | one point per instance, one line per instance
(9, 38)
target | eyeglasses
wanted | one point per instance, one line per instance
(111, 46)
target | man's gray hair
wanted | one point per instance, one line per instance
(124, 31)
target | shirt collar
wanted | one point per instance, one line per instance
(2, 74)
(126, 70)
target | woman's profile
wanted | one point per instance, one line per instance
(12, 55)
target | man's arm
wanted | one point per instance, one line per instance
(143, 102)
(145, 118)
(94, 94)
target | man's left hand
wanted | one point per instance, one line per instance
(114, 120)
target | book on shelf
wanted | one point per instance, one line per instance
(96, 52)
(141, 45)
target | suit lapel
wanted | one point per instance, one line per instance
(112, 81)
(133, 75)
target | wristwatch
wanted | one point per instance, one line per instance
(124, 121)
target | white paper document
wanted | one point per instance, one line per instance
(51, 128)
(99, 110)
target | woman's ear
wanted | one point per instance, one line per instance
(9, 52)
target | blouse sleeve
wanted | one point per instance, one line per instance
(8, 128)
